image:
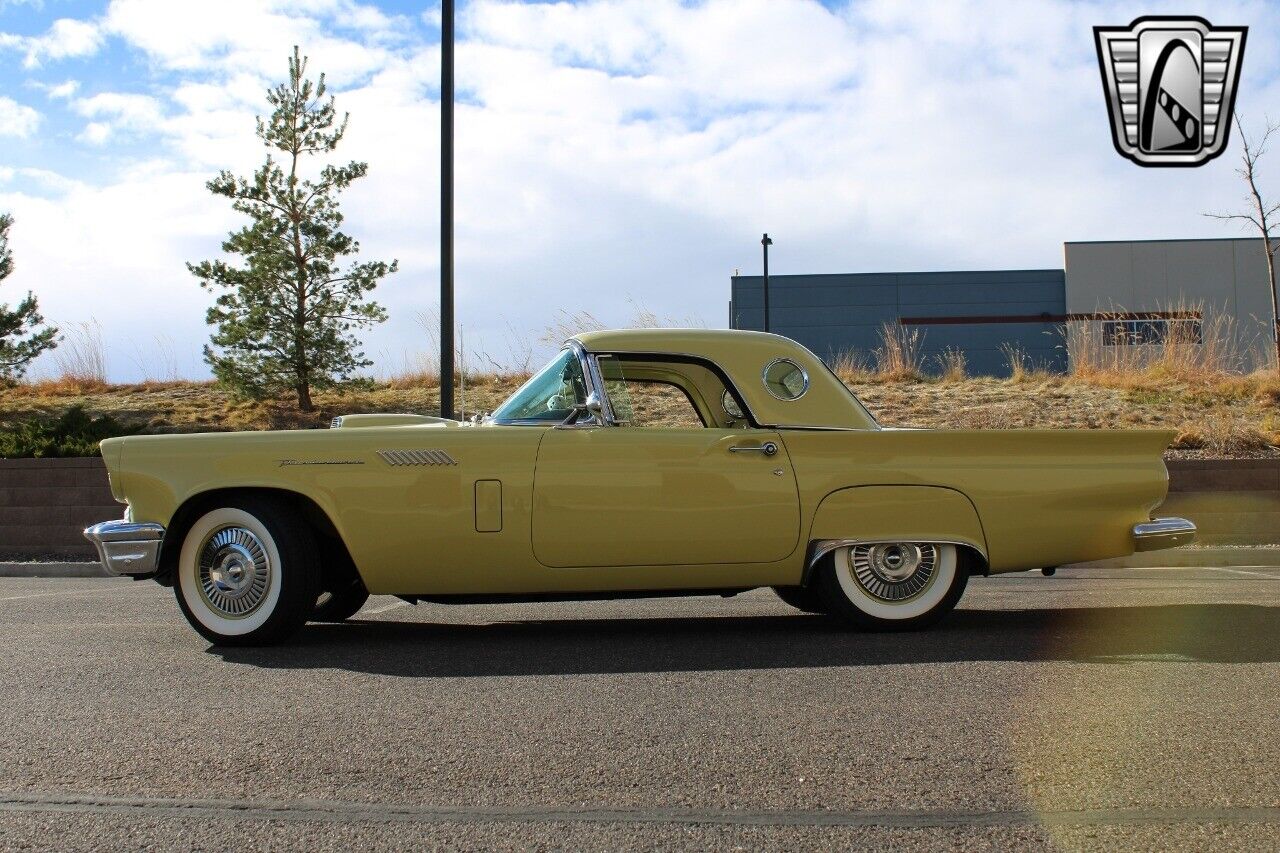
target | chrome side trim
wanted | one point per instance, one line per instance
(822, 547)
(416, 457)
(1160, 533)
(336, 423)
(126, 548)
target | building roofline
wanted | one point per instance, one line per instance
(1164, 240)
(904, 272)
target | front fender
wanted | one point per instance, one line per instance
(896, 514)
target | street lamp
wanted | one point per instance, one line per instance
(446, 209)
(766, 243)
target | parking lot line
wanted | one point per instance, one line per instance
(68, 593)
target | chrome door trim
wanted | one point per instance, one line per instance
(768, 448)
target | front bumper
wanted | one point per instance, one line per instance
(1160, 533)
(126, 548)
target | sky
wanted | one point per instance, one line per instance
(610, 154)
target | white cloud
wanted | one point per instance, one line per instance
(67, 37)
(17, 119)
(117, 111)
(63, 90)
(623, 147)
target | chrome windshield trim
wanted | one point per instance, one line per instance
(590, 380)
(595, 381)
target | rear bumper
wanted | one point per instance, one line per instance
(126, 548)
(1160, 533)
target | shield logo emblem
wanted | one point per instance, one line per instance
(1170, 85)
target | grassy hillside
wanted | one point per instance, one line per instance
(1236, 416)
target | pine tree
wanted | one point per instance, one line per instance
(22, 335)
(284, 320)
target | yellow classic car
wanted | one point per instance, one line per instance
(637, 463)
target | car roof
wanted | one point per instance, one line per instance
(743, 355)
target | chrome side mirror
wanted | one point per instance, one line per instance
(592, 405)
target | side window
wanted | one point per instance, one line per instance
(646, 396)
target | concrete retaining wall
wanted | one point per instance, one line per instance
(46, 503)
(1232, 501)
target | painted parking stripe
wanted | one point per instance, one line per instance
(68, 594)
(348, 811)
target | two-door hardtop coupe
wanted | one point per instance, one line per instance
(636, 463)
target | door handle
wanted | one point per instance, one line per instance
(768, 448)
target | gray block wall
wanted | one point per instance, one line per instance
(45, 504)
(834, 313)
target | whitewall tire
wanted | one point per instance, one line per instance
(246, 573)
(892, 585)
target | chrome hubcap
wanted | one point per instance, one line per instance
(893, 571)
(235, 571)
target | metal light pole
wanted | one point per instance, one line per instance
(766, 243)
(446, 209)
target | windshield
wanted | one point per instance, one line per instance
(550, 395)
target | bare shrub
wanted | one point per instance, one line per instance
(81, 358)
(565, 324)
(1016, 359)
(953, 365)
(897, 359)
(1222, 435)
(851, 366)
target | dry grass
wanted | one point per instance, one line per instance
(1238, 418)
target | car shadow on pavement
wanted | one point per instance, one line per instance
(1215, 633)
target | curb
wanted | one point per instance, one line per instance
(1263, 555)
(52, 570)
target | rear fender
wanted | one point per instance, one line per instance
(896, 514)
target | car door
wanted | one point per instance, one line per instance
(626, 496)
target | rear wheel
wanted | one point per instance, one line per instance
(892, 586)
(341, 603)
(246, 573)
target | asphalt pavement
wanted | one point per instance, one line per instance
(1098, 709)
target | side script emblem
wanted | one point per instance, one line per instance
(1170, 85)
(416, 457)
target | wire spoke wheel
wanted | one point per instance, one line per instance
(234, 572)
(894, 571)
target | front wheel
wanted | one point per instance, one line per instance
(247, 573)
(892, 586)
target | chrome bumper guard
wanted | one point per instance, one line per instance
(1160, 533)
(126, 548)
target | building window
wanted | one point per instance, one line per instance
(1130, 332)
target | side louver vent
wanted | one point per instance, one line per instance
(416, 457)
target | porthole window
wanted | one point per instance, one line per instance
(730, 406)
(785, 379)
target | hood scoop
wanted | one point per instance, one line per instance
(358, 421)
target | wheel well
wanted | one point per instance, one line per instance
(336, 560)
(969, 556)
